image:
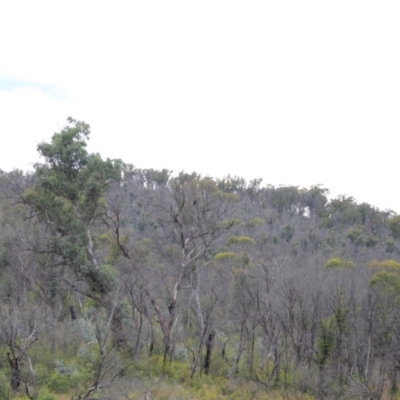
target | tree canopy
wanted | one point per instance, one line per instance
(189, 286)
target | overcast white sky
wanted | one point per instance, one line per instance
(296, 92)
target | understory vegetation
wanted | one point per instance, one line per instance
(123, 283)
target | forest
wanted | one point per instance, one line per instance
(126, 283)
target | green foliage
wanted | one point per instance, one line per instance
(390, 280)
(315, 199)
(153, 178)
(225, 256)
(240, 240)
(388, 265)
(149, 367)
(228, 223)
(356, 235)
(45, 394)
(63, 378)
(346, 211)
(265, 300)
(371, 241)
(105, 241)
(326, 339)
(341, 313)
(106, 277)
(231, 184)
(59, 383)
(394, 226)
(68, 194)
(87, 332)
(255, 222)
(386, 277)
(336, 263)
(285, 198)
(390, 246)
(142, 250)
(5, 390)
(71, 181)
(181, 353)
(287, 233)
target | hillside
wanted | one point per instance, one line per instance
(115, 281)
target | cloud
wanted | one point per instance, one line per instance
(9, 84)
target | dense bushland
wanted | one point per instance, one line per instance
(117, 282)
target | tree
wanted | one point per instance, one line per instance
(192, 214)
(394, 226)
(67, 198)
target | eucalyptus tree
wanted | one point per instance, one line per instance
(192, 212)
(67, 198)
(385, 338)
(165, 229)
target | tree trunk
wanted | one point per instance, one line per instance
(209, 347)
(15, 377)
(117, 329)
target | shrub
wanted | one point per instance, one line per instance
(5, 391)
(45, 394)
(63, 378)
(240, 240)
(338, 263)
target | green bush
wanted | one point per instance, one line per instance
(60, 383)
(5, 391)
(63, 378)
(338, 263)
(240, 240)
(45, 394)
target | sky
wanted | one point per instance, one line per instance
(294, 92)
